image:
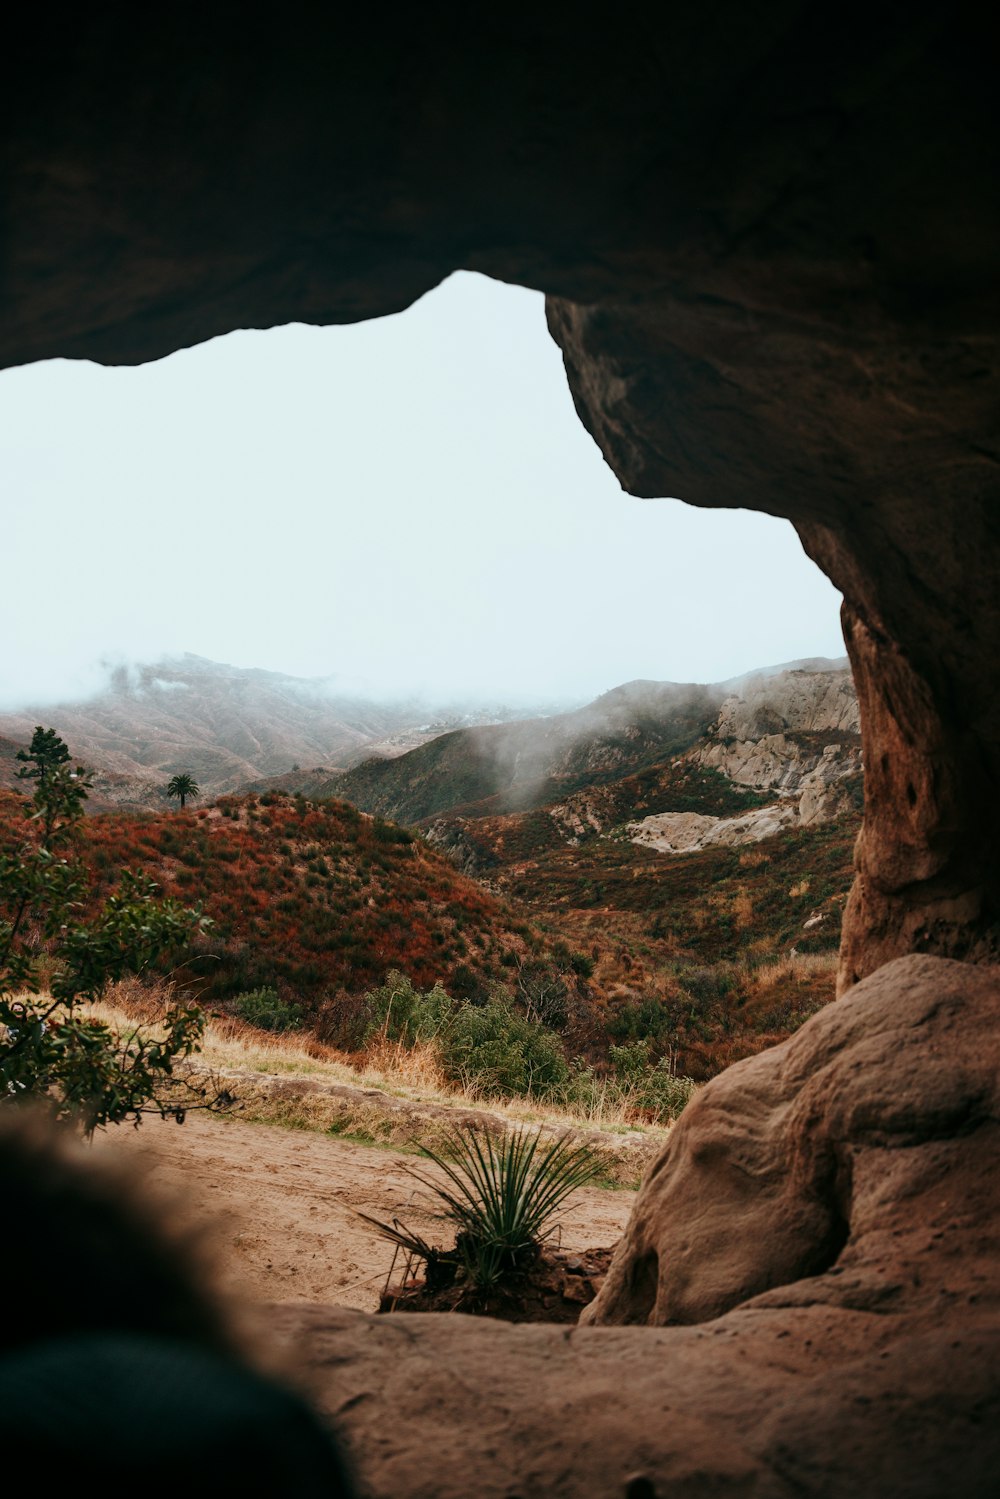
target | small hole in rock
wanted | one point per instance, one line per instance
(644, 1281)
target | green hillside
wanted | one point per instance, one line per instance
(515, 767)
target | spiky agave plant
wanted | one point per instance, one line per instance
(501, 1194)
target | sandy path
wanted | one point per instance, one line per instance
(277, 1204)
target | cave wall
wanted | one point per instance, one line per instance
(767, 235)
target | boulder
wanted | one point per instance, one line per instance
(835, 1159)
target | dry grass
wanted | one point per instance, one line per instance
(742, 909)
(800, 967)
(417, 1067)
(753, 858)
(391, 1096)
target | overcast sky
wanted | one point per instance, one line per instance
(409, 504)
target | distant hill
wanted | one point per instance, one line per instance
(516, 766)
(9, 765)
(226, 725)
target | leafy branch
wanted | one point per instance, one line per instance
(51, 1048)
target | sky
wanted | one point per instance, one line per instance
(408, 505)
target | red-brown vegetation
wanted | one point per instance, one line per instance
(307, 898)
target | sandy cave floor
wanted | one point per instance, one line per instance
(277, 1205)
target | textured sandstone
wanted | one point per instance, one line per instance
(863, 1131)
(825, 1223)
(769, 736)
(779, 762)
(775, 1403)
(687, 832)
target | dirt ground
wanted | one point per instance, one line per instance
(280, 1206)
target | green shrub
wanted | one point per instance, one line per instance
(465, 984)
(636, 1083)
(648, 1085)
(495, 1049)
(265, 1009)
(501, 1196)
(402, 1013)
(645, 1019)
(705, 984)
(389, 833)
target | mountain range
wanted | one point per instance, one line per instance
(227, 726)
(679, 765)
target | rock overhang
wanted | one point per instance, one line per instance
(768, 241)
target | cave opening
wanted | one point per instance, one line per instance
(407, 513)
(413, 497)
(768, 243)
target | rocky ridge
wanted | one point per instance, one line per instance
(797, 736)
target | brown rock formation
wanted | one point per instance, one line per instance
(769, 238)
(777, 1172)
(701, 404)
(824, 1222)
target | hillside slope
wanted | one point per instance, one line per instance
(310, 900)
(648, 761)
(575, 884)
(513, 767)
(707, 889)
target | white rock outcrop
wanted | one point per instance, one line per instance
(768, 737)
(805, 702)
(687, 832)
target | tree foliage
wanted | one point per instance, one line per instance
(52, 962)
(182, 786)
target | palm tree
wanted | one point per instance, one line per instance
(183, 786)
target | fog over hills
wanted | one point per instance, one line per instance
(235, 728)
(225, 725)
(513, 767)
(510, 767)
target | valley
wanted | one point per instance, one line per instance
(647, 888)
